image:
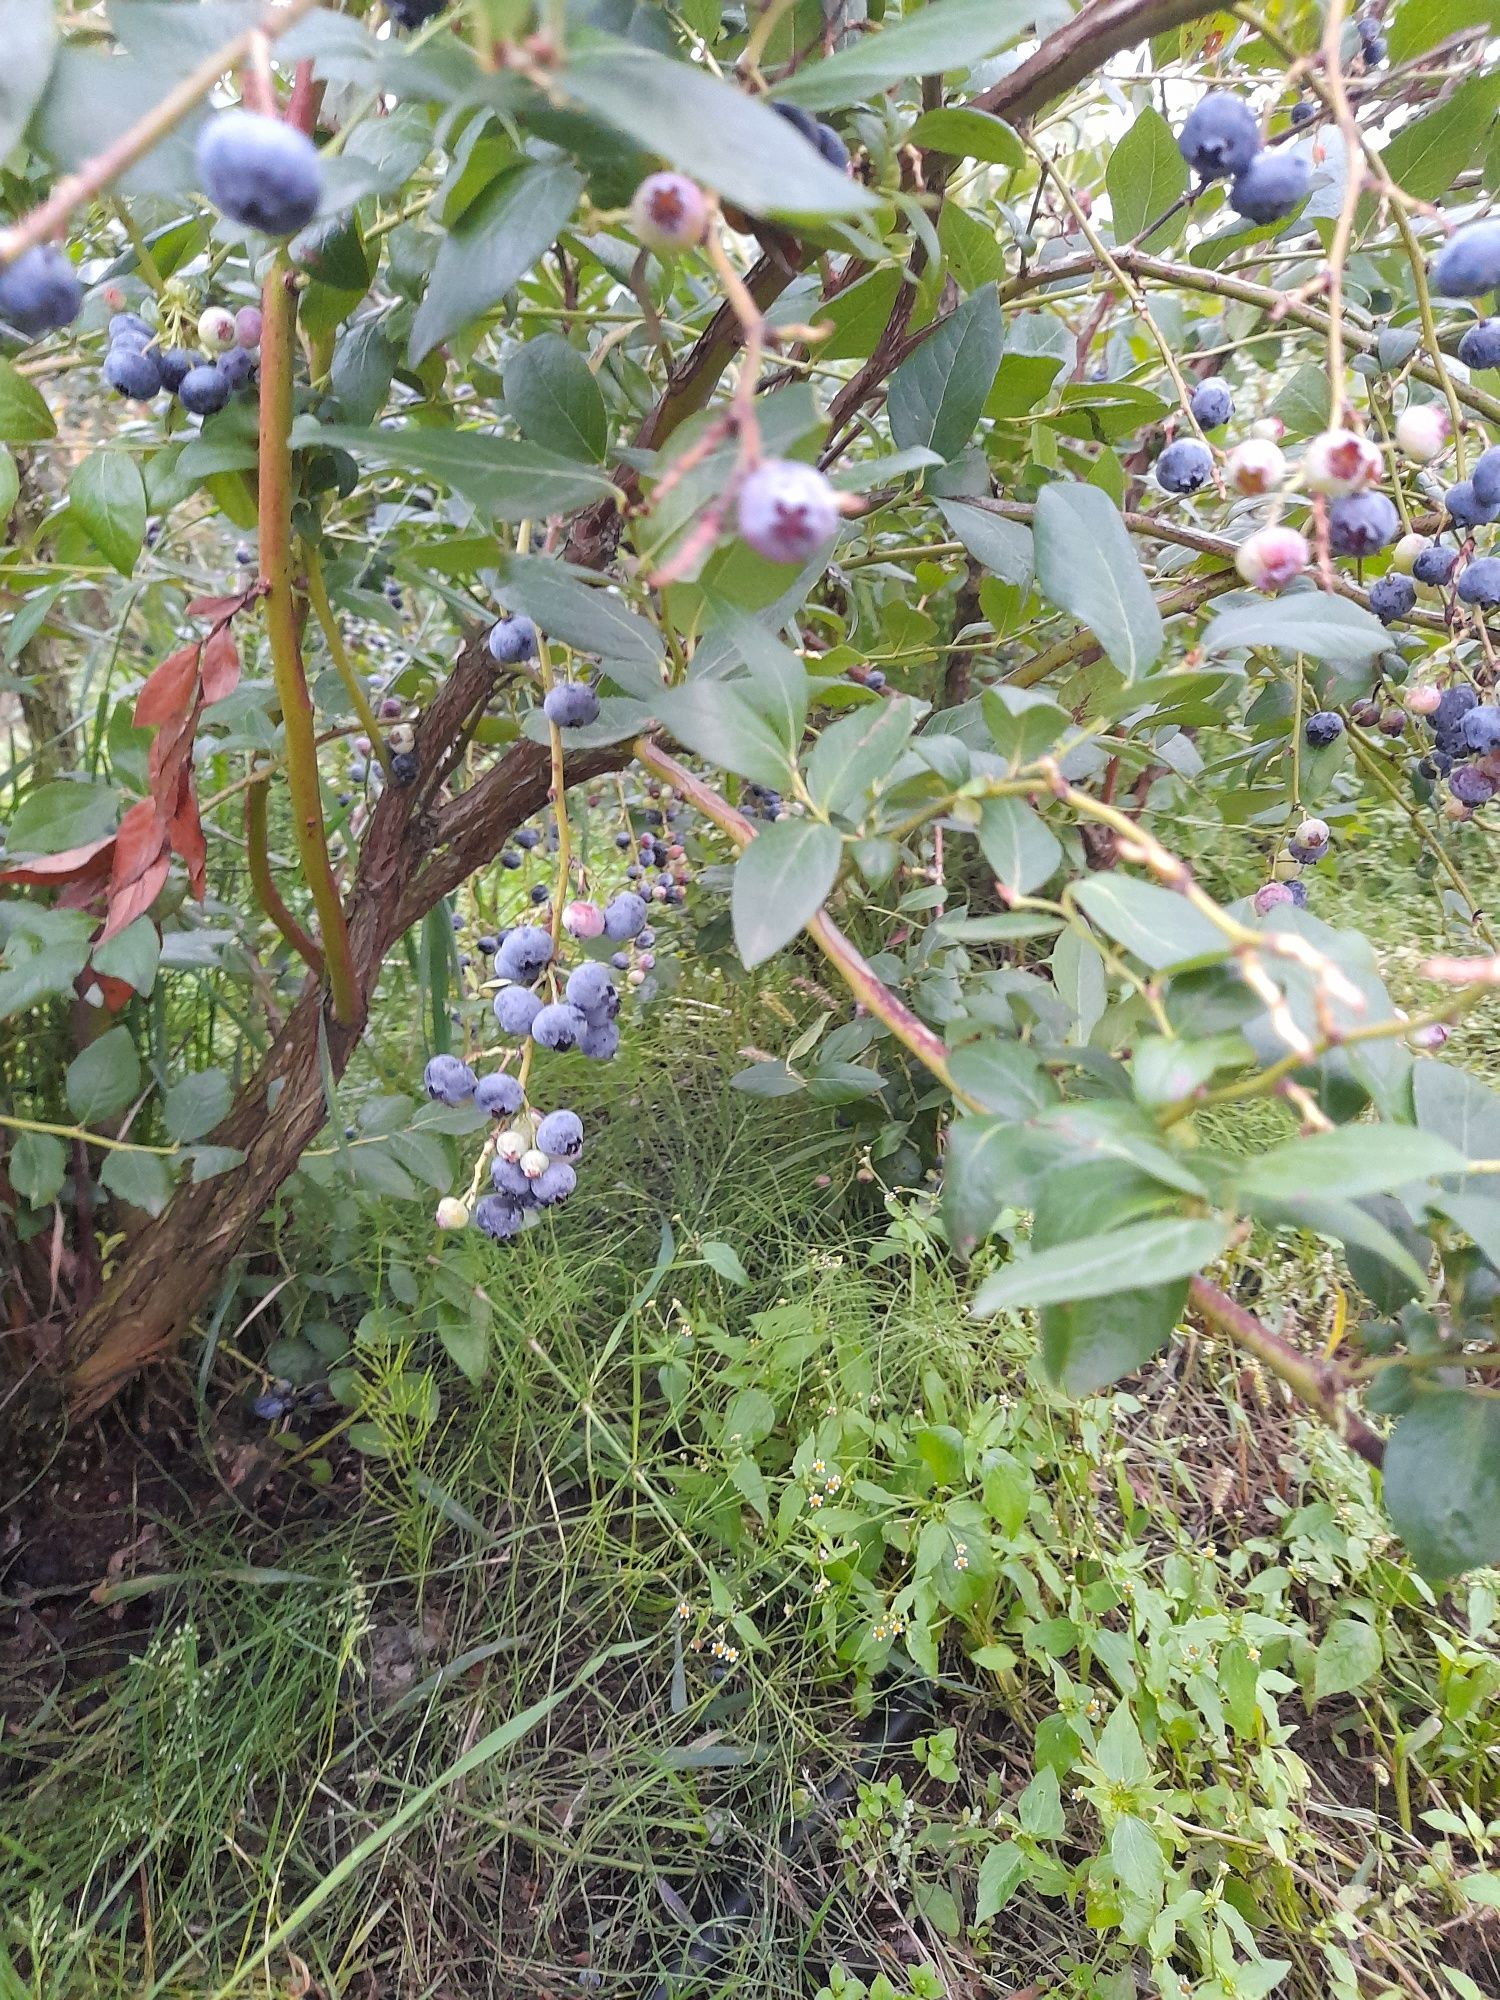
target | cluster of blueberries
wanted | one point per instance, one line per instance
(534, 1160)
(1466, 743)
(138, 367)
(583, 1018)
(566, 704)
(1221, 138)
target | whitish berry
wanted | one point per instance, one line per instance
(1271, 557)
(1270, 428)
(451, 1213)
(669, 213)
(1361, 523)
(1184, 466)
(1256, 466)
(1422, 431)
(401, 738)
(260, 171)
(511, 1145)
(449, 1080)
(512, 639)
(1468, 263)
(215, 330)
(787, 511)
(1219, 136)
(498, 1095)
(1271, 186)
(1340, 462)
(532, 1162)
(1422, 699)
(39, 291)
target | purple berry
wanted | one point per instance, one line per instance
(449, 1080)
(1272, 896)
(247, 326)
(1361, 523)
(1480, 346)
(39, 291)
(496, 1216)
(1470, 786)
(787, 511)
(516, 1007)
(260, 171)
(512, 639)
(1211, 404)
(1323, 728)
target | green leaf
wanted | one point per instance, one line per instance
(721, 136)
(947, 35)
(465, 1335)
(1078, 975)
(1085, 565)
(492, 246)
(1024, 722)
(1039, 1808)
(1458, 1107)
(507, 478)
(853, 754)
(583, 616)
(1157, 925)
(1418, 25)
(781, 880)
(1001, 1872)
(103, 1078)
(937, 393)
(721, 1257)
(1004, 548)
(1429, 153)
(38, 1165)
(1353, 1160)
(1308, 621)
(968, 134)
(1146, 173)
(30, 40)
(193, 1106)
(751, 1417)
(1089, 1343)
(132, 954)
(24, 417)
(1018, 844)
(714, 720)
(10, 486)
(1003, 1077)
(1442, 1482)
(981, 1174)
(67, 812)
(141, 1179)
(555, 399)
(1093, 1267)
(1348, 1655)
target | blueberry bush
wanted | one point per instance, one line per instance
(981, 513)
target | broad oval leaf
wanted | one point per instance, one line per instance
(1442, 1481)
(1018, 844)
(853, 754)
(109, 499)
(1146, 173)
(1351, 1161)
(781, 880)
(553, 396)
(506, 478)
(1307, 621)
(1096, 1266)
(492, 246)
(1156, 925)
(937, 393)
(948, 35)
(1085, 565)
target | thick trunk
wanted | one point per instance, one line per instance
(412, 855)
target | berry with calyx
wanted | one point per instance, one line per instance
(1272, 429)
(498, 1095)
(506, 1176)
(404, 769)
(203, 390)
(570, 705)
(1471, 786)
(559, 1026)
(1434, 566)
(260, 171)
(1184, 466)
(553, 1184)
(1464, 506)
(533, 1163)
(1271, 557)
(591, 990)
(449, 1080)
(560, 1135)
(1392, 722)
(247, 326)
(1322, 728)
(1338, 462)
(1422, 431)
(40, 291)
(497, 1216)
(1468, 263)
(516, 1007)
(1485, 478)
(487, 946)
(403, 737)
(1361, 523)
(1211, 403)
(1391, 597)
(133, 374)
(1272, 896)
(669, 214)
(509, 858)
(1311, 832)
(175, 364)
(524, 953)
(1406, 551)
(512, 639)
(1256, 466)
(215, 329)
(1220, 135)
(1480, 584)
(624, 916)
(582, 919)
(787, 511)
(450, 1213)
(1480, 346)
(539, 893)
(600, 1041)
(1272, 186)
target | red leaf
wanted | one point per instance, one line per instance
(220, 608)
(168, 693)
(75, 864)
(141, 838)
(170, 756)
(115, 991)
(221, 664)
(186, 832)
(135, 898)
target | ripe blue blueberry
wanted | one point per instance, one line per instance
(1480, 584)
(1323, 728)
(1485, 478)
(1464, 506)
(1454, 704)
(560, 1027)
(1184, 466)
(645, 939)
(570, 705)
(624, 916)
(203, 390)
(600, 1040)
(524, 953)
(622, 841)
(509, 858)
(539, 892)
(1211, 403)
(560, 1135)
(1471, 786)
(1468, 263)
(412, 13)
(553, 1184)
(132, 373)
(449, 1080)
(787, 511)
(498, 1095)
(498, 1217)
(516, 1007)
(1391, 597)
(237, 366)
(1480, 346)
(1219, 136)
(1361, 523)
(128, 329)
(1434, 565)
(827, 141)
(404, 769)
(39, 291)
(875, 679)
(526, 836)
(620, 960)
(175, 365)
(506, 1178)
(260, 171)
(1481, 729)
(1272, 186)
(591, 990)
(512, 640)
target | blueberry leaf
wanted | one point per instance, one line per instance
(781, 880)
(492, 246)
(937, 393)
(949, 35)
(1100, 1266)
(1145, 174)
(1085, 565)
(555, 399)
(1442, 1481)
(109, 500)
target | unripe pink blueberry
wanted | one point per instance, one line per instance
(1271, 428)
(635, 977)
(646, 960)
(1338, 462)
(216, 330)
(1422, 431)
(1256, 466)
(1271, 557)
(247, 326)
(787, 511)
(1312, 832)
(1432, 1036)
(1423, 698)
(1271, 897)
(669, 213)
(583, 920)
(1406, 551)
(451, 1213)
(362, 745)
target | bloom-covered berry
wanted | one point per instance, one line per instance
(1184, 466)
(1485, 478)
(497, 1216)
(512, 639)
(132, 373)
(559, 1026)
(600, 1040)
(1340, 462)
(1481, 729)
(524, 953)
(591, 990)
(570, 705)
(669, 213)
(1211, 403)
(404, 769)
(787, 511)
(554, 1184)
(1480, 346)
(527, 837)
(1468, 263)
(1480, 584)
(1465, 508)
(498, 1095)
(516, 1007)
(1434, 566)
(449, 1080)
(1271, 186)
(40, 291)
(1256, 466)
(203, 390)
(1471, 786)
(260, 171)
(624, 915)
(1391, 597)
(247, 326)
(560, 1135)
(175, 364)
(1321, 728)
(1271, 557)
(1272, 896)
(1220, 135)
(1422, 431)
(1361, 523)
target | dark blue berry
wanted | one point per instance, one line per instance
(1391, 597)
(495, 1216)
(592, 991)
(1323, 728)
(524, 953)
(571, 705)
(176, 364)
(512, 640)
(1272, 186)
(1480, 346)
(203, 390)
(624, 916)
(1468, 263)
(553, 1184)
(404, 769)
(1485, 478)
(539, 892)
(1480, 584)
(260, 171)
(1434, 565)
(1211, 404)
(559, 1026)
(237, 366)
(498, 1095)
(128, 329)
(600, 1040)
(1464, 506)
(39, 291)
(509, 858)
(875, 680)
(526, 836)
(132, 373)
(1219, 136)
(1361, 523)
(487, 946)
(1183, 467)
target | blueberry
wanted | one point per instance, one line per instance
(203, 390)
(1468, 263)
(512, 640)
(1391, 597)
(1480, 584)
(559, 1027)
(497, 1217)
(553, 1184)
(1184, 466)
(524, 954)
(570, 705)
(787, 511)
(1272, 186)
(1464, 506)
(669, 213)
(40, 291)
(509, 858)
(1434, 565)
(1303, 110)
(455, 921)
(1480, 346)
(176, 364)
(237, 366)
(128, 329)
(591, 990)
(132, 373)
(539, 892)
(1323, 728)
(1219, 136)
(645, 938)
(404, 769)
(1481, 727)
(247, 326)
(1361, 523)
(1211, 404)
(1453, 705)
(620, 961)
(560, 1135)
(487, 945)
(799, 120)
(412, 13)
(449, 1080)
(516, 1007)
(600, 1040)
(1470, 786)
(526, 836)
(875, 680)
(624, 915)
(622, 841)
(1485, 478)
(260, 171)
